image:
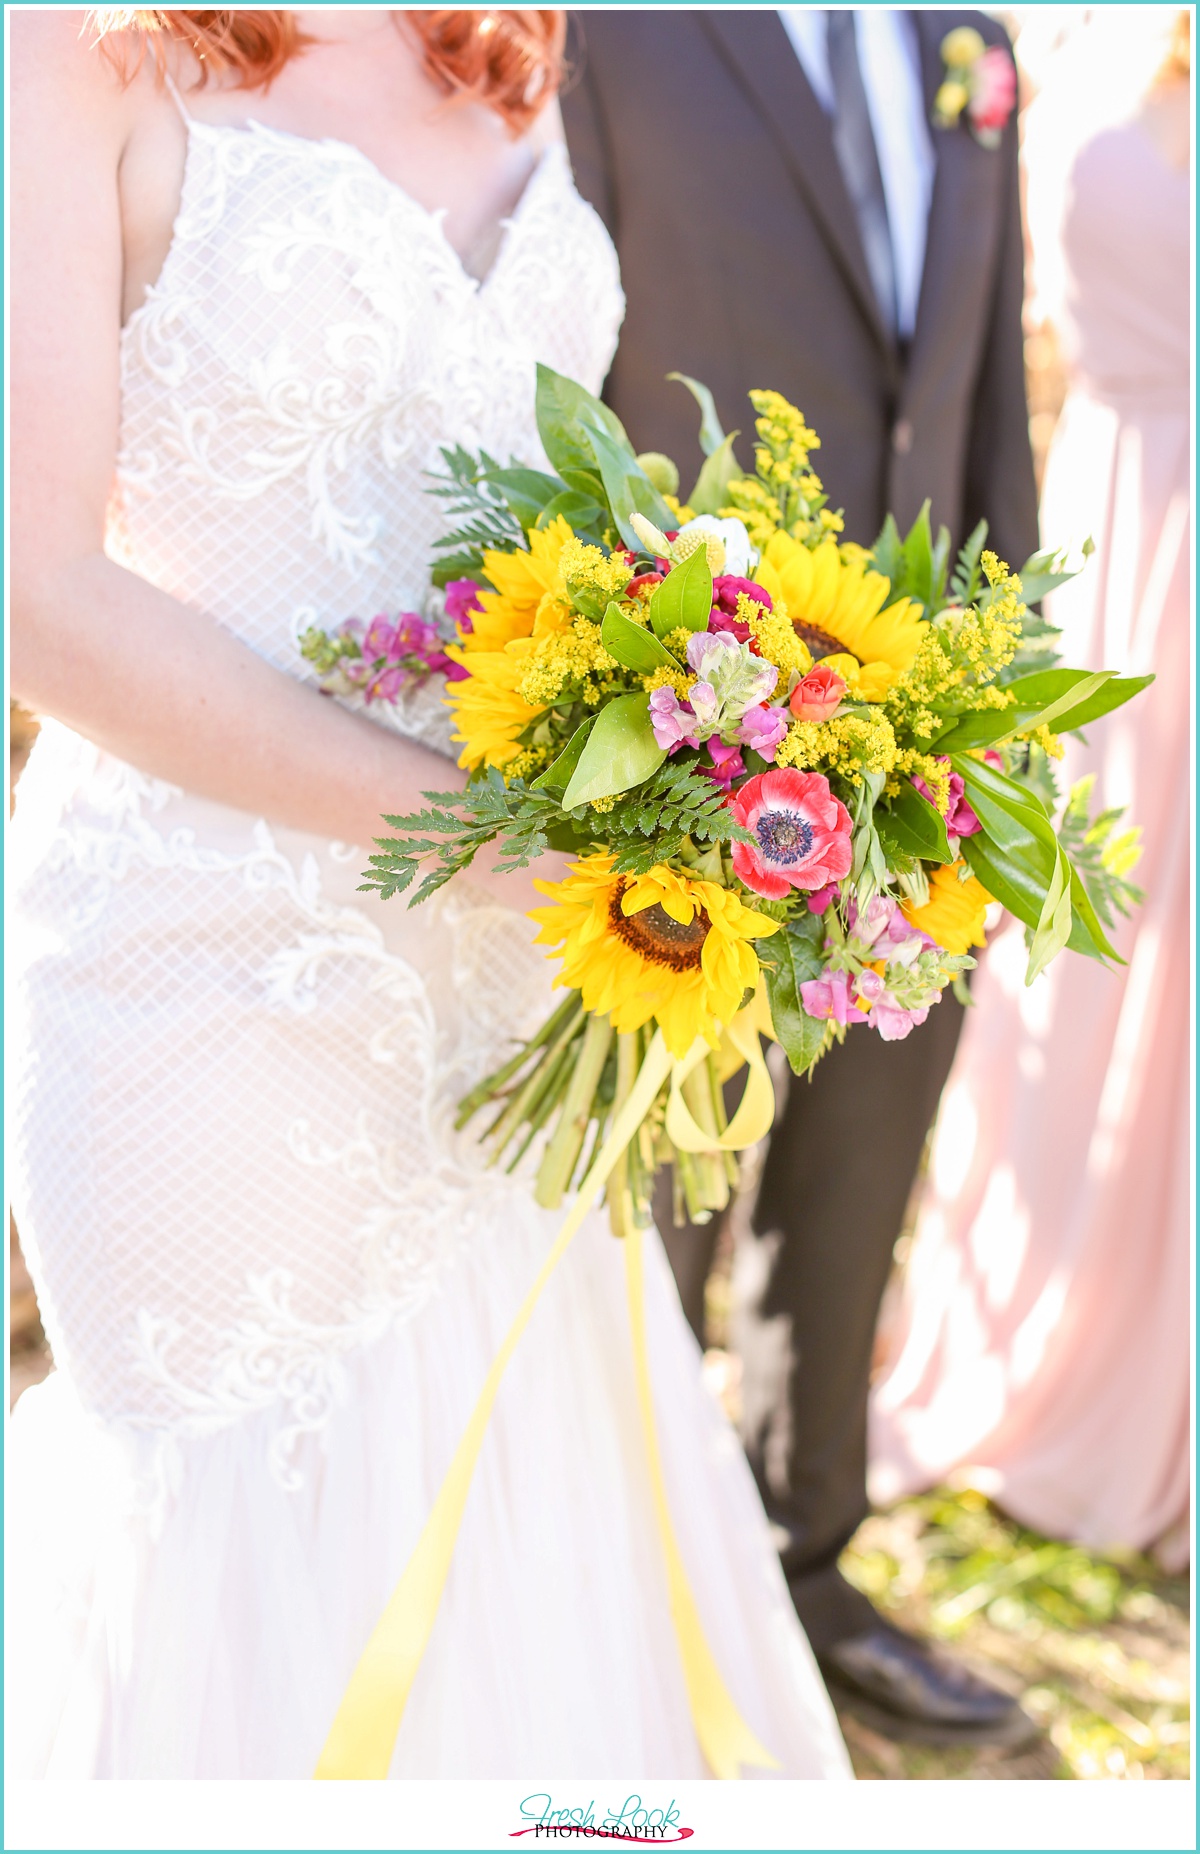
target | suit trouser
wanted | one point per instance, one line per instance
(808, 1279)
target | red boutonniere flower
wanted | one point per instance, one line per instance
(980, 80)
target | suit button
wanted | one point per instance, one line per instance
(902, 437)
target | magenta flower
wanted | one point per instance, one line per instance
(729, 587)
(722, 623)
(960, 818)
(462, 598)
(802, 833)
(823, 898)
(762, 729)
(727, 763)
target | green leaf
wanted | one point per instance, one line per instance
(580, 511)
(965, 583)
(1087, 935)
(711, 492)
(1040, 696)
(1006, 879)
(633, 646)
(918, 560)
(1065, 699)
(887, 556)
(941, 562)
(1054, 923)
(684, 598)
(711, 435)
(557, 776)
(1019, 859)
(626, 485)
(620, 752)
(914, 827)
(563, 406)
(526, 491)
(789, 959)
(1042, 573)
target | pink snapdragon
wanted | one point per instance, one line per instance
(763, 728)
(832, 995)
(883, 929)
(673, 721)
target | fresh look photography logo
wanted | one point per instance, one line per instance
(637, 1820)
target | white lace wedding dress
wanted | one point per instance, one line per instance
(272, 1276)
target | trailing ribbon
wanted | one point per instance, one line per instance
(363, 1735)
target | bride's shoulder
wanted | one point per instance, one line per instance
(63, 68)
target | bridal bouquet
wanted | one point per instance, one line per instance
(793, 772)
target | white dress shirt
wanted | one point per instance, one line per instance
(889, 59)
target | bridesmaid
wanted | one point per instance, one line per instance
(1043, 1337)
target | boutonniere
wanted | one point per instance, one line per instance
(980, 79)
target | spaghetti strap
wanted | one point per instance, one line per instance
(179, 102)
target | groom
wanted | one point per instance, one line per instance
(787, 215)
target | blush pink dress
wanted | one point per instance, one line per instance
(1042, 1340)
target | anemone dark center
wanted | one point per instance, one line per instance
(653, 933)
(783, 836)
(820, 643)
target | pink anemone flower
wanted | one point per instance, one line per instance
(802, 833)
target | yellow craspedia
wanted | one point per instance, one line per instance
(663, 946)
(837, 603)
(962, 47)
(953, 915)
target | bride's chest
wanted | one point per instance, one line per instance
(303, 289)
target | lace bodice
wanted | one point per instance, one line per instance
(312, 341)
(236, 1078)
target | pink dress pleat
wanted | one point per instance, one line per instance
(1043, 1338)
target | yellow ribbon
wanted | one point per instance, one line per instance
(725, 1739)
(756, 1109)
(363, 1735)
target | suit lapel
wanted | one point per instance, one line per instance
(756, 47)
(961, 235)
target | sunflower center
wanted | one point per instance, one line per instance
(653, 933)
(820, 643)
(783, 836)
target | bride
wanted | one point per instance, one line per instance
(264, 264)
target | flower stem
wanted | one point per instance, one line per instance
(536, 1086)
(559, 1161)
(471, 1103)
(620, 1193)
(706, 1180)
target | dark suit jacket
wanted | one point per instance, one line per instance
(698, 139)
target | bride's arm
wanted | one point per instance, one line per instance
(150, 679)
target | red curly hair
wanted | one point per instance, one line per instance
(512, 61)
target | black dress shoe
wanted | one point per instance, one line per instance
(909, 1690)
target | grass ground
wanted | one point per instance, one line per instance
(1097, 1648)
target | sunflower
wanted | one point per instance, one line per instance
(526, 584)
(953, 915)
(490, 714)
(660, 945)
(837, 605)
